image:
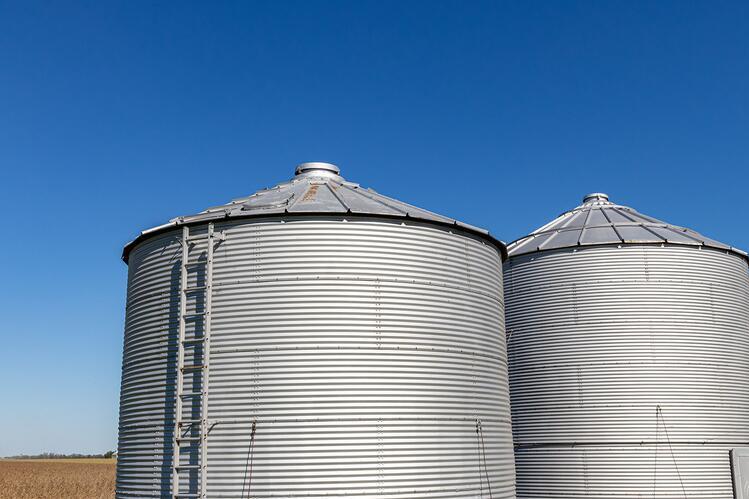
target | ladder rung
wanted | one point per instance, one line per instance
(193, 367)
(187, 494)
(194, 340)
(187, 467)
(194, 315)
(189, 439)
(204, 237)
(191, 394)
(189, 421)
(193, 289)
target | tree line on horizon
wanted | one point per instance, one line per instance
(54, 455)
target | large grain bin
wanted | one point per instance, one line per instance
(315, 339)
(628, 345)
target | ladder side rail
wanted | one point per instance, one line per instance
(180, 360)
(208, 293)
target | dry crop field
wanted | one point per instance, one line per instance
(57, 478)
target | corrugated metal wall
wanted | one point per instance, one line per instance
(364, 350)
(598, 338)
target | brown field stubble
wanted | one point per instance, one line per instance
(57, 479)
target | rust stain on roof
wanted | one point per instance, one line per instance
(310, 194)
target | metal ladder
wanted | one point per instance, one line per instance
(192, 433)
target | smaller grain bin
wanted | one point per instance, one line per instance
(315, 340)
(628, 344)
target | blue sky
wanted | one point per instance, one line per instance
(116, 116)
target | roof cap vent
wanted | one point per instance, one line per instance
(316, 167)
(595, 196)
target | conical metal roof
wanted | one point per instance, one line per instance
(316, 189)
(598, 221)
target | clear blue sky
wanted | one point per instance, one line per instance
(116, 116)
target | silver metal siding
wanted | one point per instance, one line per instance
(146, 397)
(598, 338)
(365, 350)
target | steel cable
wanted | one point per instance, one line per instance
(655, 462)
(480, 438)
(673, 456)
(247, 480)
(478, 460)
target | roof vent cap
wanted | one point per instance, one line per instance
(595, 196)
(317, 168)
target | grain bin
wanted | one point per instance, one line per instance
(628, 344)
(315, 339)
